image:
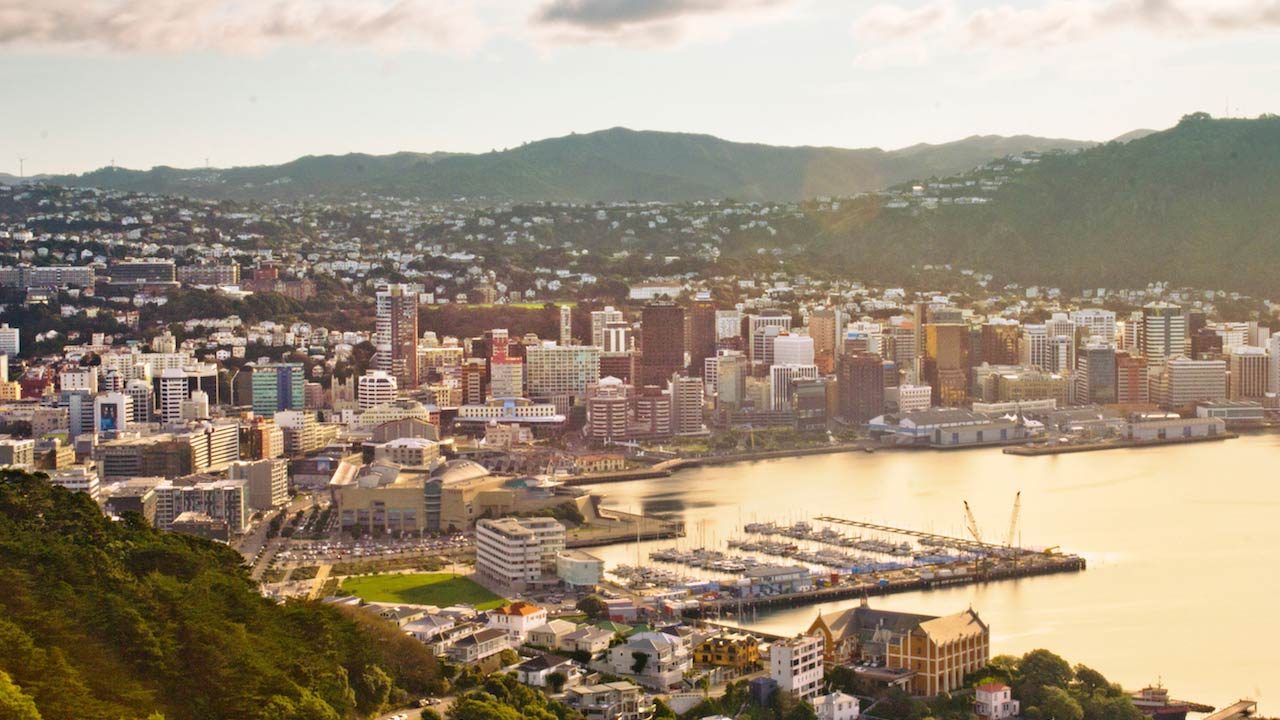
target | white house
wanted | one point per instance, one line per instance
(517, 619)
(836, 706)
(994, 701)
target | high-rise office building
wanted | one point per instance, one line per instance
(276, 387)
(1096, 375)
(661, 343)
(761, 331)
(1096, 324)
(1000, 342)
(793, 350)
(397, 334)
(686, 405)
(1164, 332)
(702, 335)
(1132, 384)
(561, 370)
(945, 364)
(781, 378)
(732, 369)
(375, 387)
(860, 384)
(824, 327)
(1250, 372)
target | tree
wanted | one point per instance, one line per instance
(1038, 671)
(556, 681)
(639, 661)
(1057, 704)
(593, 606)
(14, 704)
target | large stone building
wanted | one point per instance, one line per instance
(938, 652)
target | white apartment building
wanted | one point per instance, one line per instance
(517, 552)
(796, 665)
(600, 319)
(376, 387)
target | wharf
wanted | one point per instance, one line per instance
(1240, 709)
(666, 468)
(1063, 448)
(1045, 565)
(616, 526)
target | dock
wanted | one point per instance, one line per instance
(1064, 448)
(1050, 566)
(1239, 709)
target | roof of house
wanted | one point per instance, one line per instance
(542, 662)
(519, 607)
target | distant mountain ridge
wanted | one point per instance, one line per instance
(1195, 204)
(607, 165)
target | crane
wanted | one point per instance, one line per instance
(1013, 520)
(972, 524)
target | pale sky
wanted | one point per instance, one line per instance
(242, 82)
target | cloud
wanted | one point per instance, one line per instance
(1060, 22)
(234, 26)
(888, 20)
(648, 22)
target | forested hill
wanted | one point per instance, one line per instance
(616, 164)
(103, 620)
(1198, 204)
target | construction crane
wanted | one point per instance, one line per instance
(972, 523)
(1013, 520)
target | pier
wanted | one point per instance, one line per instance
(1078, 447)
(1049, 566)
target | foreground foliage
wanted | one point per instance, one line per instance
(109, 620)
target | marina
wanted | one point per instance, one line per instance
(1130, 515)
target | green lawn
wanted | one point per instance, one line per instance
(440, 589)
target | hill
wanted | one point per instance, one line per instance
(104, 620)
(614, 164)
(1195, 205)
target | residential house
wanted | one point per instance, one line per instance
(994, 701)
(551, 634)
(610, 701)
(727, 649)
(478, 646)
(836, 706)
(517, 619)
(535, 671)
(665, 661)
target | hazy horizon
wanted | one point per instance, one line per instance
(145, 83)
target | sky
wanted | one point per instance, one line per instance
(244, 82)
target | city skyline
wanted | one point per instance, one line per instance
(229, 84)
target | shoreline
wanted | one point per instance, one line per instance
(667, 468)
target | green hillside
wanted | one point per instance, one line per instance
(614, 164)
(114, 620)
(1196, 204)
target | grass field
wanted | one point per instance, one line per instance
(440, 589)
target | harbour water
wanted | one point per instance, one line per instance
(1183, 546)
